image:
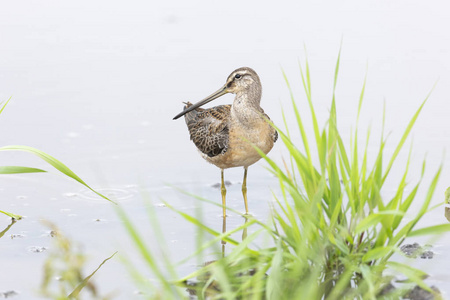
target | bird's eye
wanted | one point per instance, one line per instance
(237, 76)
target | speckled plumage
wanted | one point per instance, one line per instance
(208, 129)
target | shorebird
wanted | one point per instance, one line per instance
(227, 135)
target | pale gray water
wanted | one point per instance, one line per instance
(96, 84)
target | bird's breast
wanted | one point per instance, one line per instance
(242, 140)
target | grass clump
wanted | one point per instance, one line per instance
(333, 230)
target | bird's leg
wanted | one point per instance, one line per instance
(244, 232)
(244, 190)
(224, 229)
(223, 191)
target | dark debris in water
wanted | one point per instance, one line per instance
(50, 233)
(217, 185)
(387, 289)
(415, 251)
(17, 236)
(8, 294)
(418, 293)
(37, 249)
(213, 287)
(427, 254)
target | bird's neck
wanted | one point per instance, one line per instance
(246, 106)
(250, 97)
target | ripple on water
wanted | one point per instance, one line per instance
(115, 194)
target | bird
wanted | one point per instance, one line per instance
(226, 135)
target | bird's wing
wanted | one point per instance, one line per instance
(275, 132)
(209, 128)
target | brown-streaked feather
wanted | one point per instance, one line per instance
(209, 128)
(275, 134)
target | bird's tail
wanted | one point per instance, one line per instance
(192, 114)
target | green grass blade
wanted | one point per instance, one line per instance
(274, 290)
(2, 233)
(302, 131)
(201, 225)
(11, 215)
(377, 253)
(431, 230)
(368, 279)
(306, 81)
(214, 241)
(85, 281)
(336, 71)
(4, 105)
(405, 136)
(375, 218)
(55, 163)
(412, 273)
(361, 97)
(447, 196)
(145, 251)
(19, 170)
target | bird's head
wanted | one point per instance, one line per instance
(240, 81)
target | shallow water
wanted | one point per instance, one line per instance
(97, 84)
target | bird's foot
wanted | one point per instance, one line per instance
(247, 215)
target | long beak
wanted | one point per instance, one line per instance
(222, 91)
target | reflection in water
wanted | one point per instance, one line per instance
(205, 277)
(112, 193)
(13, 221)
(224, 229)
(447, 204)
(244, 231)
(447, 212)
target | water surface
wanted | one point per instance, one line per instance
(96, 84)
